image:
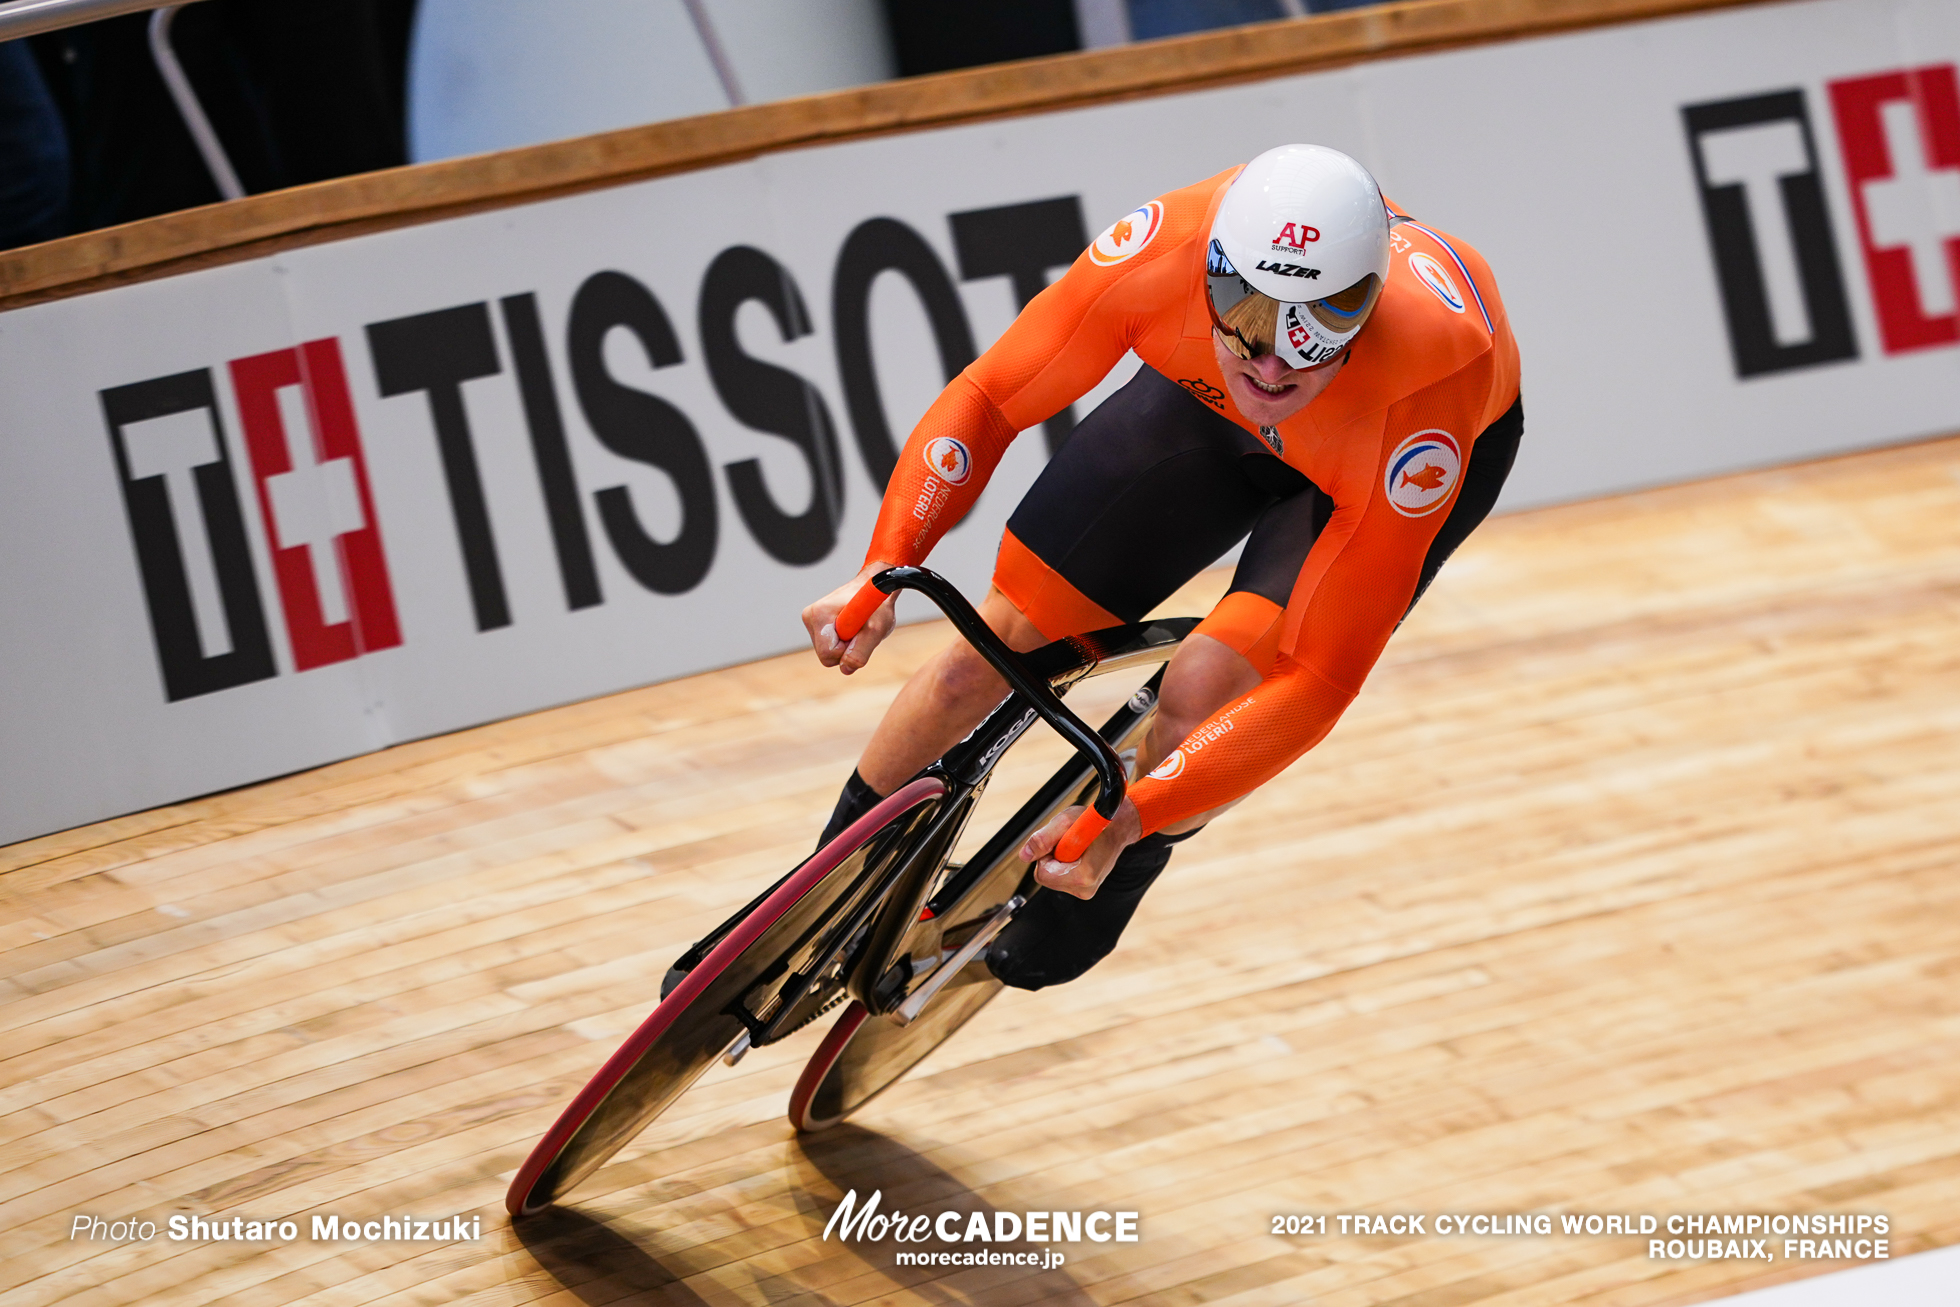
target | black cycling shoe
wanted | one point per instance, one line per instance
(1057, 937)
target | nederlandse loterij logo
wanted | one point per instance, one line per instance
(1128, 236)
(1422, 471)
(948, 460)
(1433, 275)
(1765, 203)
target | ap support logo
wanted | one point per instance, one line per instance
(1765, 203)
(1422, 472)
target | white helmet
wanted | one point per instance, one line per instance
(1298, 254)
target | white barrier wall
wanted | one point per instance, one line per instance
(268, 515)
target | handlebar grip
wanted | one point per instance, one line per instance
(1080, 836)
(853, 616)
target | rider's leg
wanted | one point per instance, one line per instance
(950, 694)
(944, 700)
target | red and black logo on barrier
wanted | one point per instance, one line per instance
(314, 502)
(1776, 255)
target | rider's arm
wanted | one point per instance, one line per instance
(1354, 588)
(1063, 343)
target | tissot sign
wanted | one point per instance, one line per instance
(313, 501)
(257, 517)
(1763, 192)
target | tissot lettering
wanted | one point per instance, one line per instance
(1023, 242)
(436, 353)
(316, 501)
(773, 400)
(644, 428)
(189, 534)
(887, 245)
(556, 480)
(1775, 256)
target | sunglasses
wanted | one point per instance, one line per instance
(1248, 321)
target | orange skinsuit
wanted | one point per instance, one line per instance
(1422, 364)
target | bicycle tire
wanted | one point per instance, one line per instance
(697, 1022)
(862, 1056)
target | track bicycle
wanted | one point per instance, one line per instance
(879, 919)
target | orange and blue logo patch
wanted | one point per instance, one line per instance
(1128, 236)
(948, 460)
(1434, 275)
(1422, 472)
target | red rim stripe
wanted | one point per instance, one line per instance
(771, 910)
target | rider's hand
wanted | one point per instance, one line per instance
(820, 620)
(1081, 878)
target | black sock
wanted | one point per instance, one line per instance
(856, 800)
(1057, 936)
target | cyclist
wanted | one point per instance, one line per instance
(1324, 377)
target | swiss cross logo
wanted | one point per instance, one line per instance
(1765, 202)
(1900, 137)
(314, 500)
(206, 613)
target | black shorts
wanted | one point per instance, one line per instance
(1152, 457)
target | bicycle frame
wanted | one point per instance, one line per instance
(882, 976)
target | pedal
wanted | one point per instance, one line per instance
(949, 967)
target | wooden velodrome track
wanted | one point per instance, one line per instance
(1628, 886)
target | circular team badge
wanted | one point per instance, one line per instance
(1128, 235)
(1434, 275)
(948, 460)
(1169, 768)
(1422, 472)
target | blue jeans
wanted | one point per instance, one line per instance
(33, 153)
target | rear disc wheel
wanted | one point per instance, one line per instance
(698, 1020)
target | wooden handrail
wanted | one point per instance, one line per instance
(349, 206)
